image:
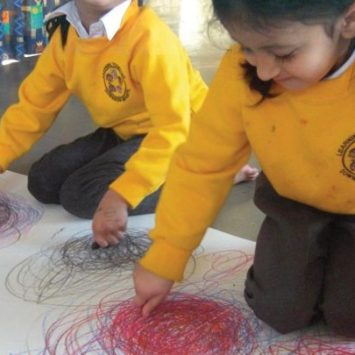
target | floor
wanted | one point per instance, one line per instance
(205, 42)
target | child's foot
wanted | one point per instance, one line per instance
(247, 173)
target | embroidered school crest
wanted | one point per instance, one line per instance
(115, 83)
(347, 154)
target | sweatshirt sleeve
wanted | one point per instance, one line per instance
(41, 95)
(161, 68)
(201, 174)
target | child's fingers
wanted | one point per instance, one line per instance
(147, 303)
(105, 240)
(139, 300)
(150, 305)
(110, 233)
(99, 243)
(112, 239)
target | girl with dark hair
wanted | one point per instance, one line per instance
(286, 91)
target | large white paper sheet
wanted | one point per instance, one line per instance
(58, 296)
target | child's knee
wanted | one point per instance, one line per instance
(281, 318)
(340, 316)
(78, 201)
(283, 311)
(40, 186)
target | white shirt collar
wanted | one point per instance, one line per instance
(343, 68)
(106, 26)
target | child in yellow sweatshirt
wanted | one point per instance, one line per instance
(287, 93)
(138, 84)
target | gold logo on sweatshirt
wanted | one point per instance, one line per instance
(347, 154)
(115, 83)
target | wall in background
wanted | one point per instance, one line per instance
(22, 30)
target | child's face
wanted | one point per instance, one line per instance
(295, 56)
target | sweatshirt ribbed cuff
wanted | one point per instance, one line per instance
(131, 187)
(166, 261)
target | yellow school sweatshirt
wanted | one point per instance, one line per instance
(304, 141)
(140, 82)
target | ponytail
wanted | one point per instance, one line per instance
(262, 87)
(54, 23)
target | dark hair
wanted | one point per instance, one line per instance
(63, 24)
(260, 14)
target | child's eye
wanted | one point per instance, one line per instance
(286, 57)
(247, 50)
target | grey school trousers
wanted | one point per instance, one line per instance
(304, 266)
(77, 175)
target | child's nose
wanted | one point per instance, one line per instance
(266, 67)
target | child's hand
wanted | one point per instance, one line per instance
(110, 219)
(150, 289)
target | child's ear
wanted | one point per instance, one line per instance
(348, 23)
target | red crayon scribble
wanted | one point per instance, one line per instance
(183, 324)
(227, 264)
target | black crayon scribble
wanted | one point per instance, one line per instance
(16, 217)
(72, 273)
